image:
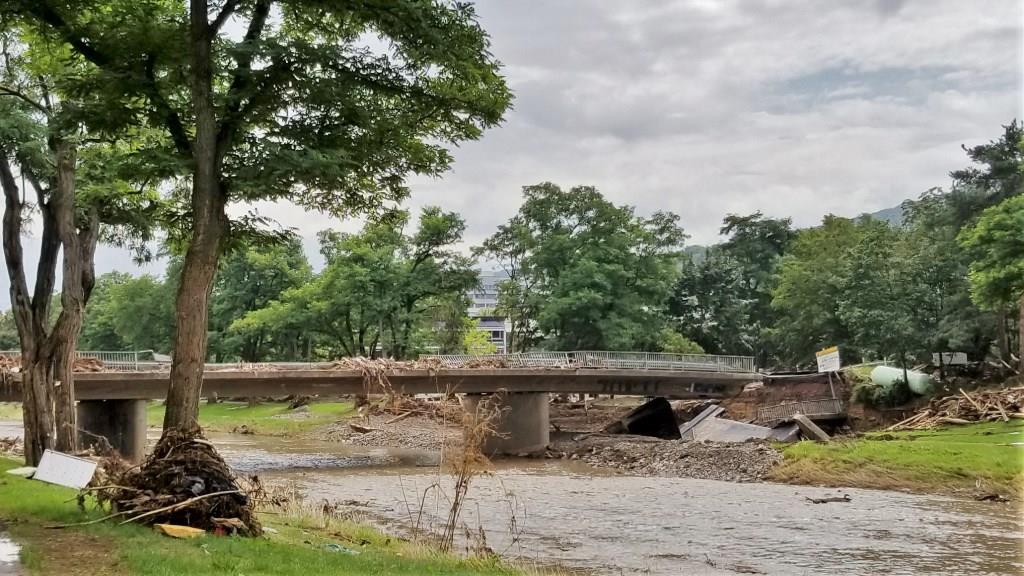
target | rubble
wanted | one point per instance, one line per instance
(748, 461)
(963, 408)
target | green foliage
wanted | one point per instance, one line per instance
(477, 342)
(250, 279)
(881, 296)
(584, 273)
(8, 331)
(379, 289)
(997, 242)
(129, 313)
(810, 283)
(871, 394)
(722, 299)
(676, 343)
(328, 105)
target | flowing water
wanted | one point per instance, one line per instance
(561, 512)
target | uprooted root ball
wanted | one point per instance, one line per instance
(184, 481)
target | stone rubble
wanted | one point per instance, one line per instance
(748, 461)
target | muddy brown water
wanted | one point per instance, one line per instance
(563, 512)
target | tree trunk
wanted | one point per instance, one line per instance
(78, 240)
(1002, 335)
(1020, 334)
(37, 406)
(208, 229)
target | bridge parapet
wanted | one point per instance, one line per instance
(604, 359)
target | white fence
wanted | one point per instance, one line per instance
(609, 360)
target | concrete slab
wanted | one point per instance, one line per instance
(722, 430)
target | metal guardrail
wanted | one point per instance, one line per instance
(810, 408)
(112, 361)
(611, 360)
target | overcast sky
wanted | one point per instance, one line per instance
(706, 107)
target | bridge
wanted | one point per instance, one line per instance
(112, 401)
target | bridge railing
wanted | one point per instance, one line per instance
(112, 361)
(786, 410)
(607, 360)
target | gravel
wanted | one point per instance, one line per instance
(413, 432)
(734, 462)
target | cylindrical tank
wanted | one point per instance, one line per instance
(918, 382)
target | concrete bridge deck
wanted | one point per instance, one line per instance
(271, 382)
(112, 403)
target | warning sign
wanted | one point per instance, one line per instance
(828, 359)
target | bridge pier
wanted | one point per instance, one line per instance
(121, 422)
(521, 427)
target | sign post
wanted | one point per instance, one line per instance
(828, 362)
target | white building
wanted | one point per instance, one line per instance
(483, 302)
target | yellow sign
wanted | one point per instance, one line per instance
(827, 351)
(828, 359)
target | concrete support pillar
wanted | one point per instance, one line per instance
(522, 427)
(121, 422)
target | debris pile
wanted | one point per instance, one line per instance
(12, 363)
(12, 446)
(965, 408)
(183, 482)
(736, 462)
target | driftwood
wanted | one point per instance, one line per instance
(399, 418)
(843, 498)
(361, 429)
(1002, 404)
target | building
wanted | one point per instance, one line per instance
(483, 301)
(485, 298)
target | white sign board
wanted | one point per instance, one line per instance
(828, 359)
(59, 468)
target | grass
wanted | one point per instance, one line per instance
(957, 459)
(10, 411)
(269, 419)
(300, 547)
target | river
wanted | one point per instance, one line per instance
(562, 512)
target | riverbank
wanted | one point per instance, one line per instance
(968, 460)
(265, 418)
(299, 545)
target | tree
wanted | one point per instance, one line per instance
(378, 289)
(882, 296)
(591, 275)
(676, 343)
(72, 166)
(297, 108)
(809, 287)
(477, 342)
(998, 174)
(997, 273)
(757, 245)
(706, 304)
(250, 278)
(517, 298)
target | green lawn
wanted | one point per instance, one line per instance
(298, 549)
(271, 418)
(952, 459)
(10, 411)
